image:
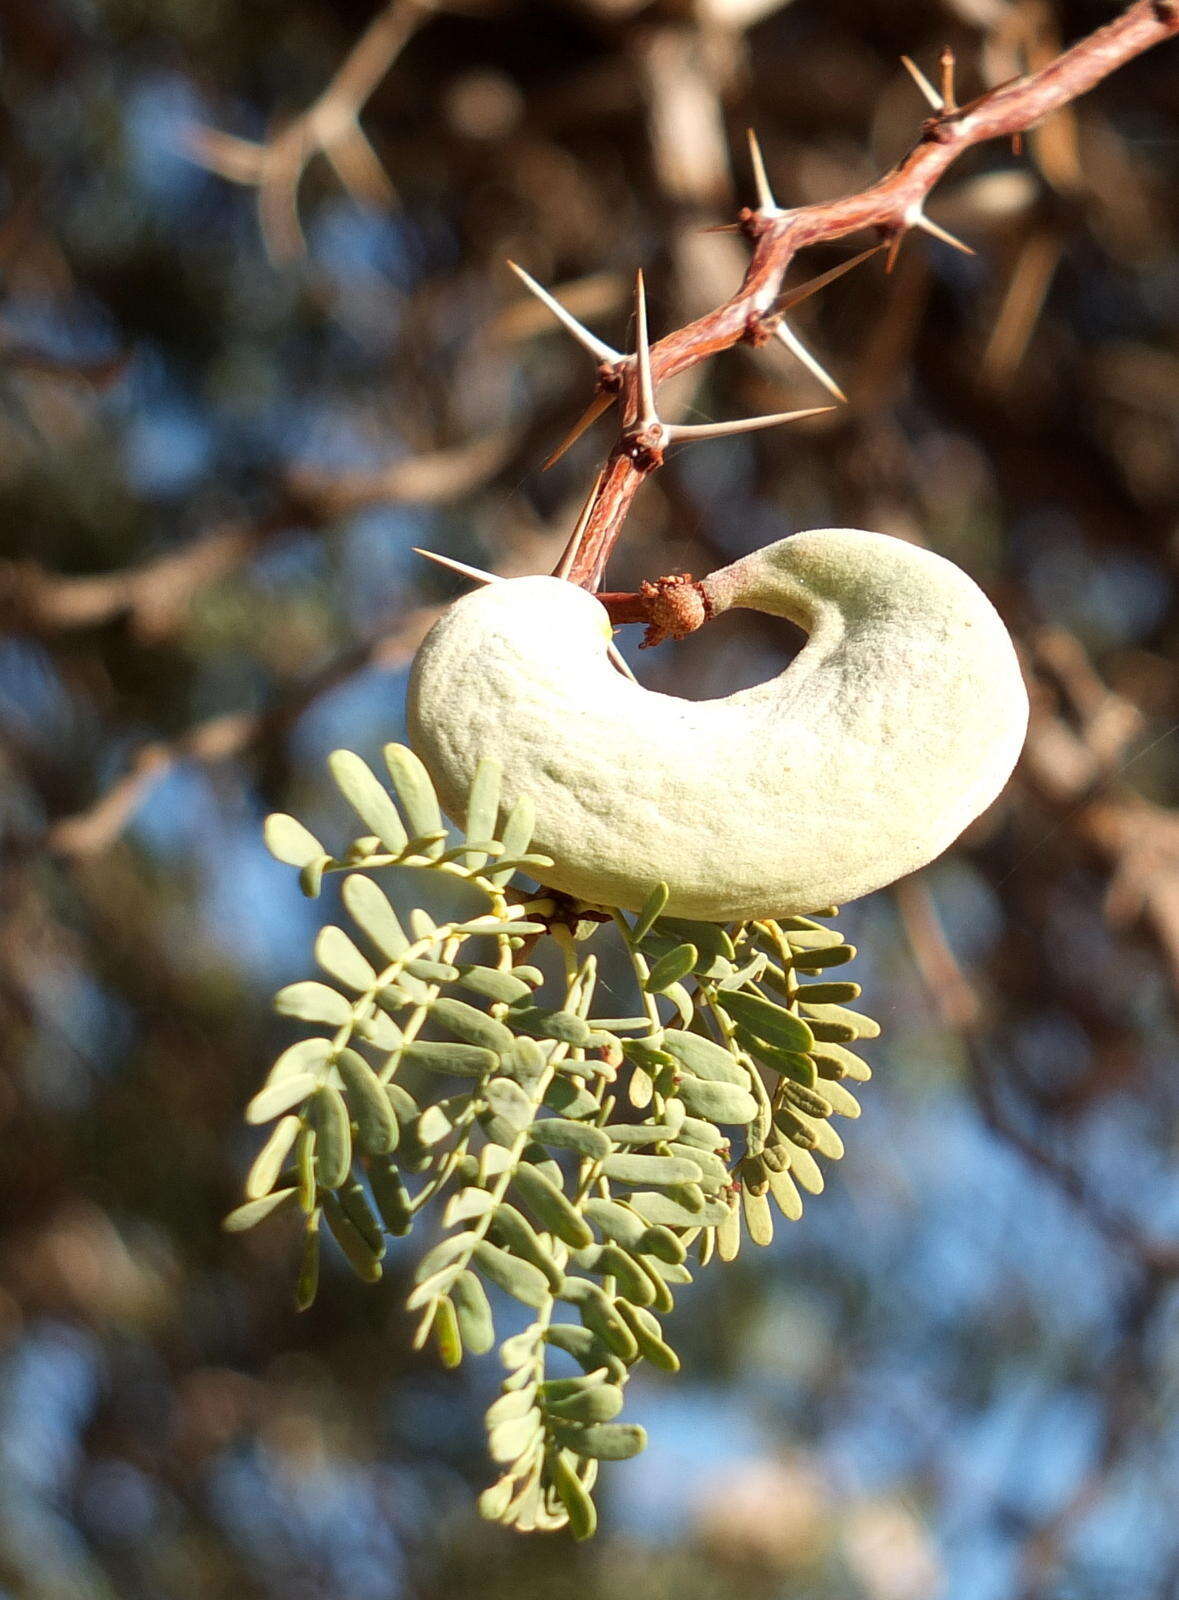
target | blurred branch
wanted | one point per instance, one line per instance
(153, 596)
(959, 1007)
(329, 127)
(224, 738)
(892, 207)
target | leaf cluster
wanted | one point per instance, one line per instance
(574, 1162)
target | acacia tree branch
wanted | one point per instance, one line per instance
(330, 126)
(892, 206)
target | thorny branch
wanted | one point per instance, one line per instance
(40, 602)
(892, 207)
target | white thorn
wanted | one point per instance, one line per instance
(647, 412)
(589, 341)
(927, 89)
(576, 536)
(480, 576)
(493, 578)
(920, 220)
(719, 430)
(797, 349)
(458, 566)
(619, 661)
(766, 203)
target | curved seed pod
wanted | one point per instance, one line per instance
(896, 725)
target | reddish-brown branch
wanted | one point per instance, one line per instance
(891, 206)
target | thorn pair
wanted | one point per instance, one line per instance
(767, 206)
(942, 101)
(652, 435)
(607, 356)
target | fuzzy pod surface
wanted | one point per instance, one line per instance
(895, 726)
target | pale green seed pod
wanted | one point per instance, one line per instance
(895, 726)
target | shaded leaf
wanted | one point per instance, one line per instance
(369, 798)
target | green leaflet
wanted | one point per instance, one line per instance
(473, 1313)
(370, 910)
(516, 1438)
(313, 1002)
(605, 1441)
(308, 1055)
(786, 1195)
(661, 1243)
(843, 1104)
(648, 1335)
(516, 836)
(560, 1134)
(843, 1023)
(829, 993)
(483, 807)
(289, 841)
(363, 1260)
(630, 1281)
(770, 1022)
(601, 1403)
(356, 1208)
(833, 1061)
(340, 959)
(713, 1172)
(328, 1115)
(369, 1105)
(308, 1280)
(670, 968)
(255, 1211)
(414, 790)
(659, 1170)
(391, 1196)
(719, 1102)
(520, 1279)
(507, 1100)
(369, 798)
(462, 1060)
(652, 906)
(472, 1025)
(430, 971)
(566, 1027)
(661, 1208)
(550, 1206)
(575, 1497)
(758, 1218)
(833, 955)
(710, 939)
(703, 1058)
(599, 1314)
(494, 984)
(786, 1063)
(586, 1348)
(694, 1130)
(802, 1099)
(268, 1163)
(635, 1134)
(615, 1221)
(275, 1098)
(516, 1233)
(447, 1337)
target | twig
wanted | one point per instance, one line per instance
(893, 206)
(330, 127)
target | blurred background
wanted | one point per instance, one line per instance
(252, 350)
